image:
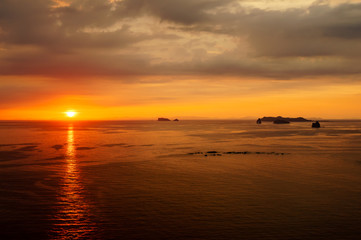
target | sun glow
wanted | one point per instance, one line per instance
(70, 113)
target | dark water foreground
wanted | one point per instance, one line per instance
(185, 180)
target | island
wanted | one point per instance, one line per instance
(281, 119)
(163, 119)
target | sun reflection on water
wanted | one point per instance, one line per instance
(72, 220)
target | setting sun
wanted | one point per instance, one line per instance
(70, 113)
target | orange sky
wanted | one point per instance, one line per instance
(214, 100)
(190, 59)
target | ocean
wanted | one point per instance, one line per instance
(180, 180)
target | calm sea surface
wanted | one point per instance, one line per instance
(180, 180)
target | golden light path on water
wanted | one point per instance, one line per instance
(72, 219)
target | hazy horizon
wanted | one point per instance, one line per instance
(180, 119)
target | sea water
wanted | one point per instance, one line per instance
(180, 180)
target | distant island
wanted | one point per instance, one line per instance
(163, 119)
(284, 119)
(167, 120)
(280, 121)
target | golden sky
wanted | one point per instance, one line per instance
(187, 59)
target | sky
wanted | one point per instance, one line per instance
(186, 59)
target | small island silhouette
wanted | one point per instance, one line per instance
(316, 124)
(281, 119)
(163, 119)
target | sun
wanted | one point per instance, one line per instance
(70, 113)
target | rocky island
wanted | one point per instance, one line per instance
(280, 119)
(163, 119)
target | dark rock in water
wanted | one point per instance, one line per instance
(176, 120)
(215, 153)
(272, 119)
(280, 121)
(85, 148)
(114, 145)
(164, 119)
(316, 124)
(259, 121)
(57, 146)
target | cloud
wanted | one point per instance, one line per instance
(83, 38)
(319, 30)
(179, 11)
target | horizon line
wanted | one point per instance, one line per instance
(156, 120)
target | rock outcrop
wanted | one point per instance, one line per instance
(316, 124)
(163, 119)
(288, 119)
